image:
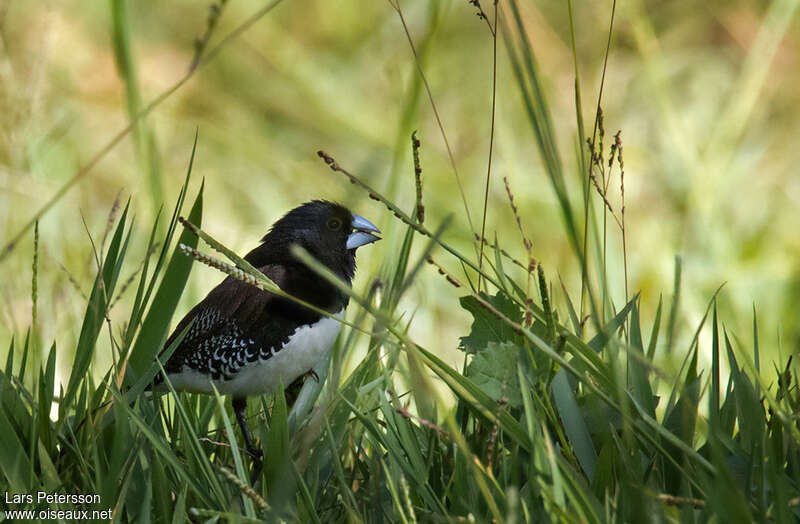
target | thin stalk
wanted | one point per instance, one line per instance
(396, 6)
(35, 281)
(585, 181)
(605, 250)
(584, 281)
(491, 141)
(621, 163)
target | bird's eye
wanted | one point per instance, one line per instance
(334, 224)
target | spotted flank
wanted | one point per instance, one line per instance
(220, 355)
(241, 366)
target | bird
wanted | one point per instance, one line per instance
(247, 341)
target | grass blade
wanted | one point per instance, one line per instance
(156, 324)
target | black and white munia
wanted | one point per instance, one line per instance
(247, 341)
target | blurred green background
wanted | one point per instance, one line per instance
(705, 94)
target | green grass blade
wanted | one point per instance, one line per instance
(156, 324)
(46, 390)
(137, 308)
(673, 309)
(573, 315)
(637, 371)
(599, 341)
(713, 397)
(241, 470)
(574, 423)
(161, 447)
(277, 473)
(750, 413)
(143, 136)
(756, 353)
(651, 346)
(102, 291)
(15, 464)
(25, 349)
(10, 358)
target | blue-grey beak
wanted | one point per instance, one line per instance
(362, 233)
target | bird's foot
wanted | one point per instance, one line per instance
(313, 374)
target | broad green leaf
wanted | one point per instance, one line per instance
(495, 372)
(486, 327)
(475, 398)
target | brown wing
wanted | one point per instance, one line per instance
(235, 324)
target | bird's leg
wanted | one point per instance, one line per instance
(239, 405)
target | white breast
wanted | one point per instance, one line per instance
(307, 346)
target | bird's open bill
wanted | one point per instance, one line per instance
(362, 233)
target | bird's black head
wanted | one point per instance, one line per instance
(329, 231)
